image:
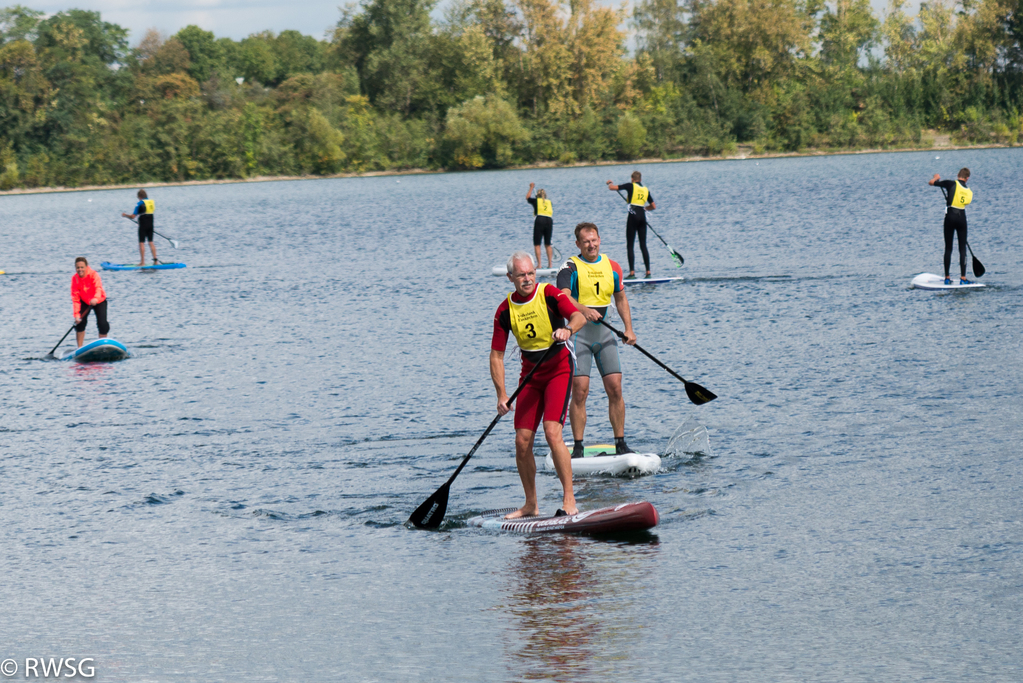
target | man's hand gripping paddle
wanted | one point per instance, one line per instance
(676, 257)
(430, 514)
(697, 394)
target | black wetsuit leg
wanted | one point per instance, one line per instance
(100, 310)
(145, 227)
(636, 226)
(955, 224)
(543, 230)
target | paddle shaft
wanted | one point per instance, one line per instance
(497, 418)
(626, 199)
(647, 223)
(174, 243)
(84, 312)
(621, 335)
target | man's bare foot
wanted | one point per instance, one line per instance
(568, 505)
(524, 511)
(142, 264)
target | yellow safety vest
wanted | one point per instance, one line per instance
(530, 322)
(962, 197)
(544, 207)
(639, 195)
(596, 281)
(150, 206)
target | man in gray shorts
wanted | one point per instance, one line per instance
(591, 279)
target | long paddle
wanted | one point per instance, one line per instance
(697, 394)
(677, 257)
(84, 312)
(978, 267)
(430, 514)
(173, 242)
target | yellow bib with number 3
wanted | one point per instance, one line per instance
(530, 322)
(150, 205)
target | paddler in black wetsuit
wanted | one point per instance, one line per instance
(957, 196)
(543, 224)
(640, 201)
(144, 210)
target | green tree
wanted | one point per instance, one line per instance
(483, 132)
(204, 51)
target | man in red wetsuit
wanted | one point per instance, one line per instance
(535, 314)
(87, 288)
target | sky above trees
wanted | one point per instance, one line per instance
(239, 18)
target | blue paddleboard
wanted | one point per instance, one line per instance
(106, 265)
(99, 351)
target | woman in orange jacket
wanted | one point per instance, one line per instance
(87, 288)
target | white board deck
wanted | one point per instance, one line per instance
(540, 272)
(625, 465)
(937, 282)
(652, 280)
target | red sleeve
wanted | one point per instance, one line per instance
(499, 342)
(618, 269)
(565, 306)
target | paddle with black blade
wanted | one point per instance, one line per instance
(676, 257)
(697, 394)
(52, 352)
(430, 514)
(978, 267)
(173, 242)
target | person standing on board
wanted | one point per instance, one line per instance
(591, 279)
(543, 224)
(144, 210)
(957, 196)
(87, 288)
(535, 314)
(640, 201)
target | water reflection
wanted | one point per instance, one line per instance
(574, 604)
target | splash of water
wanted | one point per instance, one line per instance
(691, 438)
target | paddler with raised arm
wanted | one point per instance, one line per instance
(535, 314)
(957, 196)
(640, 201)
(543, 223)
(591, 280)
(87, 288)
(144, 210)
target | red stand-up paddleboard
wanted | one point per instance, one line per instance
(624, 517)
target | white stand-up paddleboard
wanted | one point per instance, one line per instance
(652, 280)
(936, 282)
(601, 459)
(540, 272)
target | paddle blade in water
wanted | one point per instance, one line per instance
(699, 395)
(430, 514)
(679, 261)
(978, 267)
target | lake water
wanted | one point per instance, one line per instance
(228, 504)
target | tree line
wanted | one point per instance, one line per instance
(497, 83)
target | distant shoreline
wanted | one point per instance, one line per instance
(745, 153)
